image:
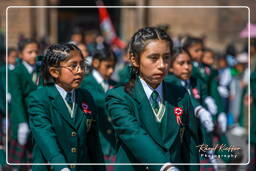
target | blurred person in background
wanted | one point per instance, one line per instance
(90, 40)
(125, 67)
(76, 36)
(236, 94)
(252, 101)
(22, 80)
(98, 82)
(2, 110)
(180, 74)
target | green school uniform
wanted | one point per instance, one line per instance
(142, 139)
(2, 113)
(196, 88)
(106, 131)
(58, 138)
(20, 86)
(125, 74)
(198, 92)
(209, 76)
(253, 109)
(2, 90)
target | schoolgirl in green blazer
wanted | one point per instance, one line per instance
(21, 81)
(180, 74)
(62, 116)
(153, 120)
(98, 82)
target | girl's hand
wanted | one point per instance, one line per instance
(205, 118)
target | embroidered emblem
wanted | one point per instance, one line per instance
(86, 109)
(207, 70)
(196, 93)
(178, 111)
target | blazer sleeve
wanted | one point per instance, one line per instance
(17, 102)
(130, 132)
(43, 133)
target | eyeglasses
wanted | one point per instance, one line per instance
(75, 67)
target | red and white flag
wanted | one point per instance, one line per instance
(106, 26)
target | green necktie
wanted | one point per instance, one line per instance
(69, 99)
(154, 97)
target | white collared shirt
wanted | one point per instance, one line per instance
(63, 92)
(29, 67)
(148, 90)
(100, 80)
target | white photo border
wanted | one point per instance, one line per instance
(201, 164)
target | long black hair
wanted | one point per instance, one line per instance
(23, 43)
(176, 52)
(137, 45)
(55, 54)
(105, 54)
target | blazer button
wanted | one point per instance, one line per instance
(109, 131)
(73, 134)
(72, 166)
(73, 150)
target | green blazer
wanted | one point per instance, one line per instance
(253, 109)
(125, 74)
(20, 86)
(139, 136)
(209, 76)
(197, 88)
(106, 131)
(198, 93)
(57, 137)
(2, 90)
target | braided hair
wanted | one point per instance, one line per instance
(55, 54)
(137, 45)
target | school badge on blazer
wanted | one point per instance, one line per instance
(196, 93)
(88, 113)
(86, 109)
(178, 111)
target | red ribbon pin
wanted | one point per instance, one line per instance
(86, 108)
(178, 111)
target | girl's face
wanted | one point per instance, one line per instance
(105, 68)
(154, 62)
(196, 51)
(222, 63)
(208, 58)
(12, 57)
(29, 53)
(182, 66)
(71, 71)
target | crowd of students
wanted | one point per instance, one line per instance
(157, 102)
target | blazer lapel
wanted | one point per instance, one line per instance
(172, 128)
(95, 83)
(60, 106)
(79, 115)
(146, 114)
